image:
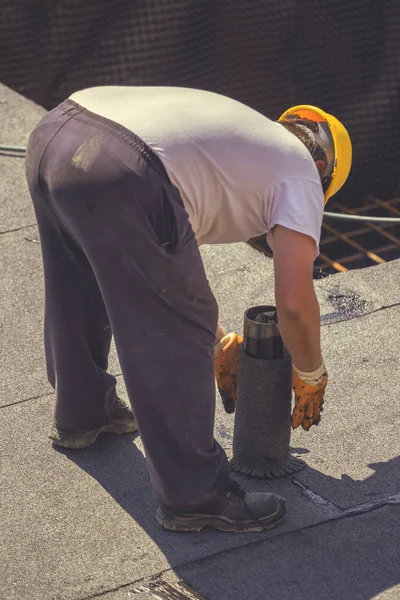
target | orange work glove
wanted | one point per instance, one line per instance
(226, 363)
(309, 390)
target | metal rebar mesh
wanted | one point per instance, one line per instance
(350, 245)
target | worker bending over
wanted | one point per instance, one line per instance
(127, 183)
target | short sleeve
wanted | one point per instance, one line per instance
(296, 204)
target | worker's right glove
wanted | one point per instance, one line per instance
(309, 390)
(226, 362)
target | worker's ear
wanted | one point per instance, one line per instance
(293, 265)
(320, 166)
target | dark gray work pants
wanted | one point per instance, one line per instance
(120, 258)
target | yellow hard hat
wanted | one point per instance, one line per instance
(333, 138)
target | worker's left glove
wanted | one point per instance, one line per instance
(226, 357)
(309, 390)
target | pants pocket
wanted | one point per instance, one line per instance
(171, 221)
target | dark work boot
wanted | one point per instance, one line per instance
(122, 421)
(237, 511)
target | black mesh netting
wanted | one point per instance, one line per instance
(343, 55)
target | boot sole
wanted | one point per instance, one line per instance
(90, 437)
(199, 522)
(120, 428)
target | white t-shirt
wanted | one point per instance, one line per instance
(238, 172)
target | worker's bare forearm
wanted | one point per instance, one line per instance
(300, 330)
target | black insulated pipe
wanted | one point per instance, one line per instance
(263, 407)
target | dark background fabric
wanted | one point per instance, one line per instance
(343, 56)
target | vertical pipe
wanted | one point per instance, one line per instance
(262, 418)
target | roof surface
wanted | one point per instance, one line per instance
(81, 525)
